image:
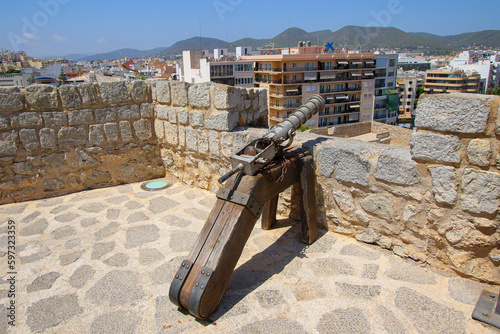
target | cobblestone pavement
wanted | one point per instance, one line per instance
(101, 261)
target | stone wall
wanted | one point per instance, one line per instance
(435, 202)
(399, 136)
(61, 140)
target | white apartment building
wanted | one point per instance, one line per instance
(486, 63)
(16, 80)
(386, 104)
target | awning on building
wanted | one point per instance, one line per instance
(355, 106)
(310, 76)
(368, 72)
(370, 61)
(292, 90)
(356, 62)
(343, 62)
(327, 75)
(356, 74)
(341, 97)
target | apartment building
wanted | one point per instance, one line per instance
(386, 105)
(293, 75)
(16, 80)
(447, 80)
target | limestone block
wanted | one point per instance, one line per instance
(11, 99)
(458, 112)
(140, 91)
(47, 138)
(461, 234)
(191, 139)
(226, 144)
(142, 129)
(240, 139)
(111, 132)
(103, 115)
(159, 129)
(129, 112)
(147, 110)
(203, 145)
(214, 142)
(114, 92)
(182, 116)
(171, 134)
(434, 147)
(369, 236)
(55, 160)
(4, 122)
(8, 142)
(182, 137)
(225, 97)
(345, 158)
(80, 117)
(72, 136)
(26, 119)
(163, 91)
(88, 93)
(479, 152)
(21, 168)
(378, 204)
(55, 118)
(395, 165)
(172, 115)
(126, 131)
(344, 200)
(222, 121)
(70, 96)
(196, 118)
(84, 159)
(29, 139)
(199, 95)
(179, 93)
(480, 191)
(42, 97)
(96, 134)
(162, 112)
(444, 182)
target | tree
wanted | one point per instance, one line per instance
(493, 91)
(62, 78)
(420, 91)
(12, 70)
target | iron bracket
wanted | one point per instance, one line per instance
(198, 290)
(242, 199)
(178, 282)
(487, 309)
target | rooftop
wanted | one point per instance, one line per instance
(101, 261)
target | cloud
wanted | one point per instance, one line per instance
(101, 41)
(30, 36)
(58, 38)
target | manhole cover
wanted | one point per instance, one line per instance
(155, 185)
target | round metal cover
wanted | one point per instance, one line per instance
(155, 185)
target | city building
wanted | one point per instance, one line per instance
(16, 80)
(386, 105)
(486, 63)
(416, 62)
(447, 80)
(408, 82)
(199, 67)
(293, 75)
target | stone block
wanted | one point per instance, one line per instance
(70, 96)
(142, 129)
(240, 138)
(479, 152)
(179, 91)
(55, 118)
(203, 145)
(96, 134)
(88, 93)
(395, 165)
(444, 182)
(114, 92)
(379, 205)
(182, 116)
(434, 147)
(226, 144)
(126, 131)
(80, 117)
(172, 115)
(159, 129)
(214, 142)
(55, 160)
(111, 132)
(21, 168)
(344, 200)
(47, 138)
(225, 97)
(222, 121)
(191, 139)
(4, 122)
(182, 137)
(458, 112)
(29, 139)
(26, 119)
(199, 95)
(72, 136)
(128, 112)
(171, 134)
(103, 115)
(147, 110)
(162, 112)
(345, 159)
(42, 97)
(480, 191)
(163, 91)
(11, 99)
(196, 118)
(140, 91)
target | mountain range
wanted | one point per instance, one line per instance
(364, 38)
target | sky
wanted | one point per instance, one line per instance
(45, 28)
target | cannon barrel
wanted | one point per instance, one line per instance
(283, 130)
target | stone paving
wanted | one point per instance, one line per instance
(101, 261)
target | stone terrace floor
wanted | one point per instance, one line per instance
(101, 261)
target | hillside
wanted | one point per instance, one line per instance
(122, 53)
(195, 43)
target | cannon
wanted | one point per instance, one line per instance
(260, 172)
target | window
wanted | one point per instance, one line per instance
(294, 77)
(329, 65)
(294, 65)
(309, 66)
